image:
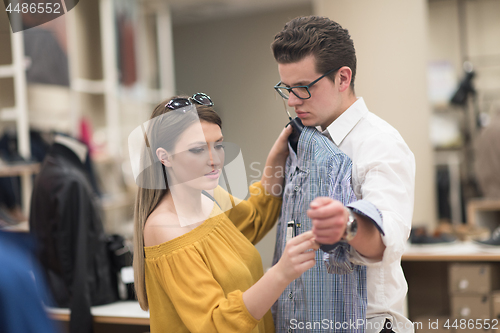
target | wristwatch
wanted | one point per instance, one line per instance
(351, 227)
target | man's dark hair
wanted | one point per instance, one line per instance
(329, 43)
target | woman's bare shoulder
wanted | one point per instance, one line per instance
(161, 226)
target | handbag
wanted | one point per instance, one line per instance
(121, 256)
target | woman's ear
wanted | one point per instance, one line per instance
(164, 157)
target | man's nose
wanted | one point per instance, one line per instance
(293, 100)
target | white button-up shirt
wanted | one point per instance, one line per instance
(384, 174)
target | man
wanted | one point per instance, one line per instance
(317, 66)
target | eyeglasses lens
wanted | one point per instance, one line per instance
(181, 103)
(202, 99)
(284, 93)
(178, 103)
(300, 92)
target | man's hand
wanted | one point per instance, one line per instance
(329, 220)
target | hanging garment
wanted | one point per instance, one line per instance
(333, 292)
(65, 219)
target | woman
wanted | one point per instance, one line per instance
(195, 266)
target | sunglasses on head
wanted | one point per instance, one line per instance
(181, 103)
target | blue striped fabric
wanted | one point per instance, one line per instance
(319, 301)
(369, 210)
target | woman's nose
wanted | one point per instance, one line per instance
(215, 159)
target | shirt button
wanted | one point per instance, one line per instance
(290, 295)
(296, 188)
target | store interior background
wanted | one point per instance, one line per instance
(222, 48)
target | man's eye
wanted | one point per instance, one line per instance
(301, 91)
(219, 147)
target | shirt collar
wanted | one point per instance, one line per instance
(325, 133)
(346, 121)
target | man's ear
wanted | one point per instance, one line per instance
(345, 75)
(164, 157)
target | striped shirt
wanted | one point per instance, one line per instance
(331, 296)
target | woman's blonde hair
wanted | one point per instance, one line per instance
(159, 134)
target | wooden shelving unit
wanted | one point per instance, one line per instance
(426, 268)
(484, 213)
(13, 101)
(96, 90)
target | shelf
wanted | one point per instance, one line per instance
(89, 86)
(10, 70)
(19, 169)
(484, 213)
(20, 227)
(485, 204)
(9, 114)
(456, 251)
(123, 312)
(7, 71)
(426, 268)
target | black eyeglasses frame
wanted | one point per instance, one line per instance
(280, 89)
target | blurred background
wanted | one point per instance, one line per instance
(431, 68)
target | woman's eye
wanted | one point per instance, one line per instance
(219, 147)
(197, 150)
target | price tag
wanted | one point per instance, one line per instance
(127, 274)
(290, 230)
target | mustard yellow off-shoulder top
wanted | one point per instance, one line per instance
(195, 282)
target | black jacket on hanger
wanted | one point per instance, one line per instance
(65, 219)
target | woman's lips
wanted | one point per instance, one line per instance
(213, 175)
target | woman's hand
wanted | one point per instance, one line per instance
(274, 171)
(280, 147)
(298, 256)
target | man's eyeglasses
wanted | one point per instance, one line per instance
(301, 92)
(181, 103)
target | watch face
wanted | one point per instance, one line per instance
(354, 226)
